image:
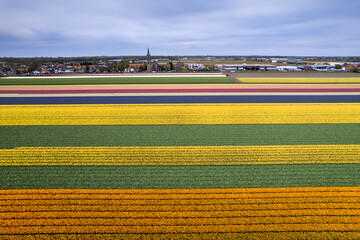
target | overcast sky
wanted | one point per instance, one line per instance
(179, 27)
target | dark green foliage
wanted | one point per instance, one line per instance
(179, 177)
(113, 80)
(179, 135)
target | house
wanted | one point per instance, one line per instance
(195, 66)
(288, 68)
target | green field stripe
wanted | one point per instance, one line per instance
(179, 135)
(179, 177)
(113, 80)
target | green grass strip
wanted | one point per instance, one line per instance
(179, 177)
(113, 80)
(179, 135)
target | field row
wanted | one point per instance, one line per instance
(155, 216)
(157, 156)
(86, 92)
(116, 80)
(150, 193)
(301, 235)
(302, 98)
(176, 87)
(214, 216)
(33, 207)
(151, 114)
(84, 229)
(180, 221)
(177, 177)
(299, 80)
(115, 200)
(220, 193)
(179, 135)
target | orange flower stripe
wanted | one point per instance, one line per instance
(185, 211)
(196, 236)
(150, 193)
(182, 214)
(179, 229)
(180, 221)
(109, 201)
(187, 208)
(178, 194)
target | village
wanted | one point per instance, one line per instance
(136, 64)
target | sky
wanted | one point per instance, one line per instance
(70, 28)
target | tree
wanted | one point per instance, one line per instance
(33, 66)
(355, 69)
(171, 66)
(123, 65)
(338, 66)
(143, 67)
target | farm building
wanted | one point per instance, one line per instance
(247, 67)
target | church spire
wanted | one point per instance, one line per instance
(148, 60)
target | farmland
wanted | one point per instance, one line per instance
(115, 80)
(182, 213)
(125, 158)
(171, 114)
(299, 80)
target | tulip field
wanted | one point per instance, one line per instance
(179, 157)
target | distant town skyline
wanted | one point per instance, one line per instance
(41, 28)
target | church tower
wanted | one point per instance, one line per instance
(148, 61)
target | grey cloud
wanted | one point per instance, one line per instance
(220, 27)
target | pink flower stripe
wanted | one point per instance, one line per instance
(181, 86)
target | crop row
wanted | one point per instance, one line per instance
(178, 86)
(180, 135)
(113, 201)
(173, 213)
(207, 155)
(246, 194)
(180, 214)
(115, 80)
(175, 177)
(179, 229)
(300, 80)
(162, 99)
(180, 221)
(300, 235)
(191, 207)
(150, 114)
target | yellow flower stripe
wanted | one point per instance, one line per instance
(323, 210)
(183, 155)
(299, 80)
(148, 114)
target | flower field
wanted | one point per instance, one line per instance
(300, 80)
(182, 155)
(169, 114)
(116, 79)
(173, 161)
